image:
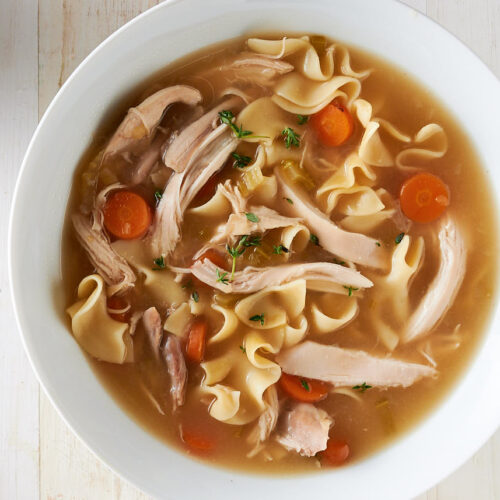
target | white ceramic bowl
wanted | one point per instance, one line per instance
(461, 424)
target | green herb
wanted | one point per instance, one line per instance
(158, 195)
(243, 349)
(221, 277)
(240, 161)
(245, 242)
(399, 238)
(252, 217)
(314, 239)
(195, 296)
(258, 317)
(305, 385)
(339, 262)
(289, 200)
(227, 118)
(280, 249)
(363, 387)
(350, 289)
(291, 138)
(377, 243)
(302, 119)
(159, 263)
(188, 284)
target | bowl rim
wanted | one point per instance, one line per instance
(15, 289)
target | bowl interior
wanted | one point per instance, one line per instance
(136, 51)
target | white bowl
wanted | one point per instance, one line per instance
(461, 424)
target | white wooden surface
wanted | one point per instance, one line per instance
(40, 45)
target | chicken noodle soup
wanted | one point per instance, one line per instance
(283, 256)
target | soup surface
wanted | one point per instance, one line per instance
(282, 256)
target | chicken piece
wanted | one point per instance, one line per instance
(152, 325)
(267, 421)
(183, 187)
(348, 367)
(139, 125)
(354, 247)
(258, 62)
(114, 269)
(443, 289)
(253, 279)
(234, 196)
(178, 154)
(148, 160)
(304, 429)
(176, 366)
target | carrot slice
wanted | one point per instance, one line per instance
(424, 197)
(195, 348)
(333, 124)
(127, 215)
(337, 452)
(196, 442)
(118, 303)
(304, 389)
(216, 257)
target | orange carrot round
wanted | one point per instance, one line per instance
(127, 215)
(196, 442)
(216, 257)
(337, 452)
(118, 304)
(424, 197)
(304, 389)
(333, 124)
(195, 348)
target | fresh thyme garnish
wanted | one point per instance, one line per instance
(158, 195)
(258, 317)
(291, 138)
(314, 239)
(377, 243)
(195, 296)
(302, 119)
(252, 217)
(289, 200)
(243, 350)
(339, 262)
(221, 277)
(305, 385)
(399, 238)
(227, 117)
(245, 242)
(350, 289)
(159, 263)
(280, 249)
(363, 387)
(240, 161)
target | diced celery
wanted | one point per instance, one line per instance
(297, 174)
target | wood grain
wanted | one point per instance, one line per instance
(40, 47)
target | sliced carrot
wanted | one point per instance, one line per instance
(207, 191)
(333, 124)
(196, 442)
(424, 197)
(195, 348)
(304, 389)
(337, 452)
(127, 215)
(216, 257)
(118, 304)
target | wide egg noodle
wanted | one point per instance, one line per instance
(178, 320)
(228, 327)
(96, 332)
(341, 311)
(217, 206)
(160, 283)
(295, 239)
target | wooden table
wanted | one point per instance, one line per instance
(41, 44)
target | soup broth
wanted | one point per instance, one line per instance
(252, 333)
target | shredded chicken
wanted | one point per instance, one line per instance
(354, 247)
(183, 187)
(443, 289)
(141, 122)
(347, 367)
(178, 154)
(234, 196)
(267, 421)
(152, 325)
(253, 279)
(148, 160)
(304, 429)
(114, 269)
(176, 365)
